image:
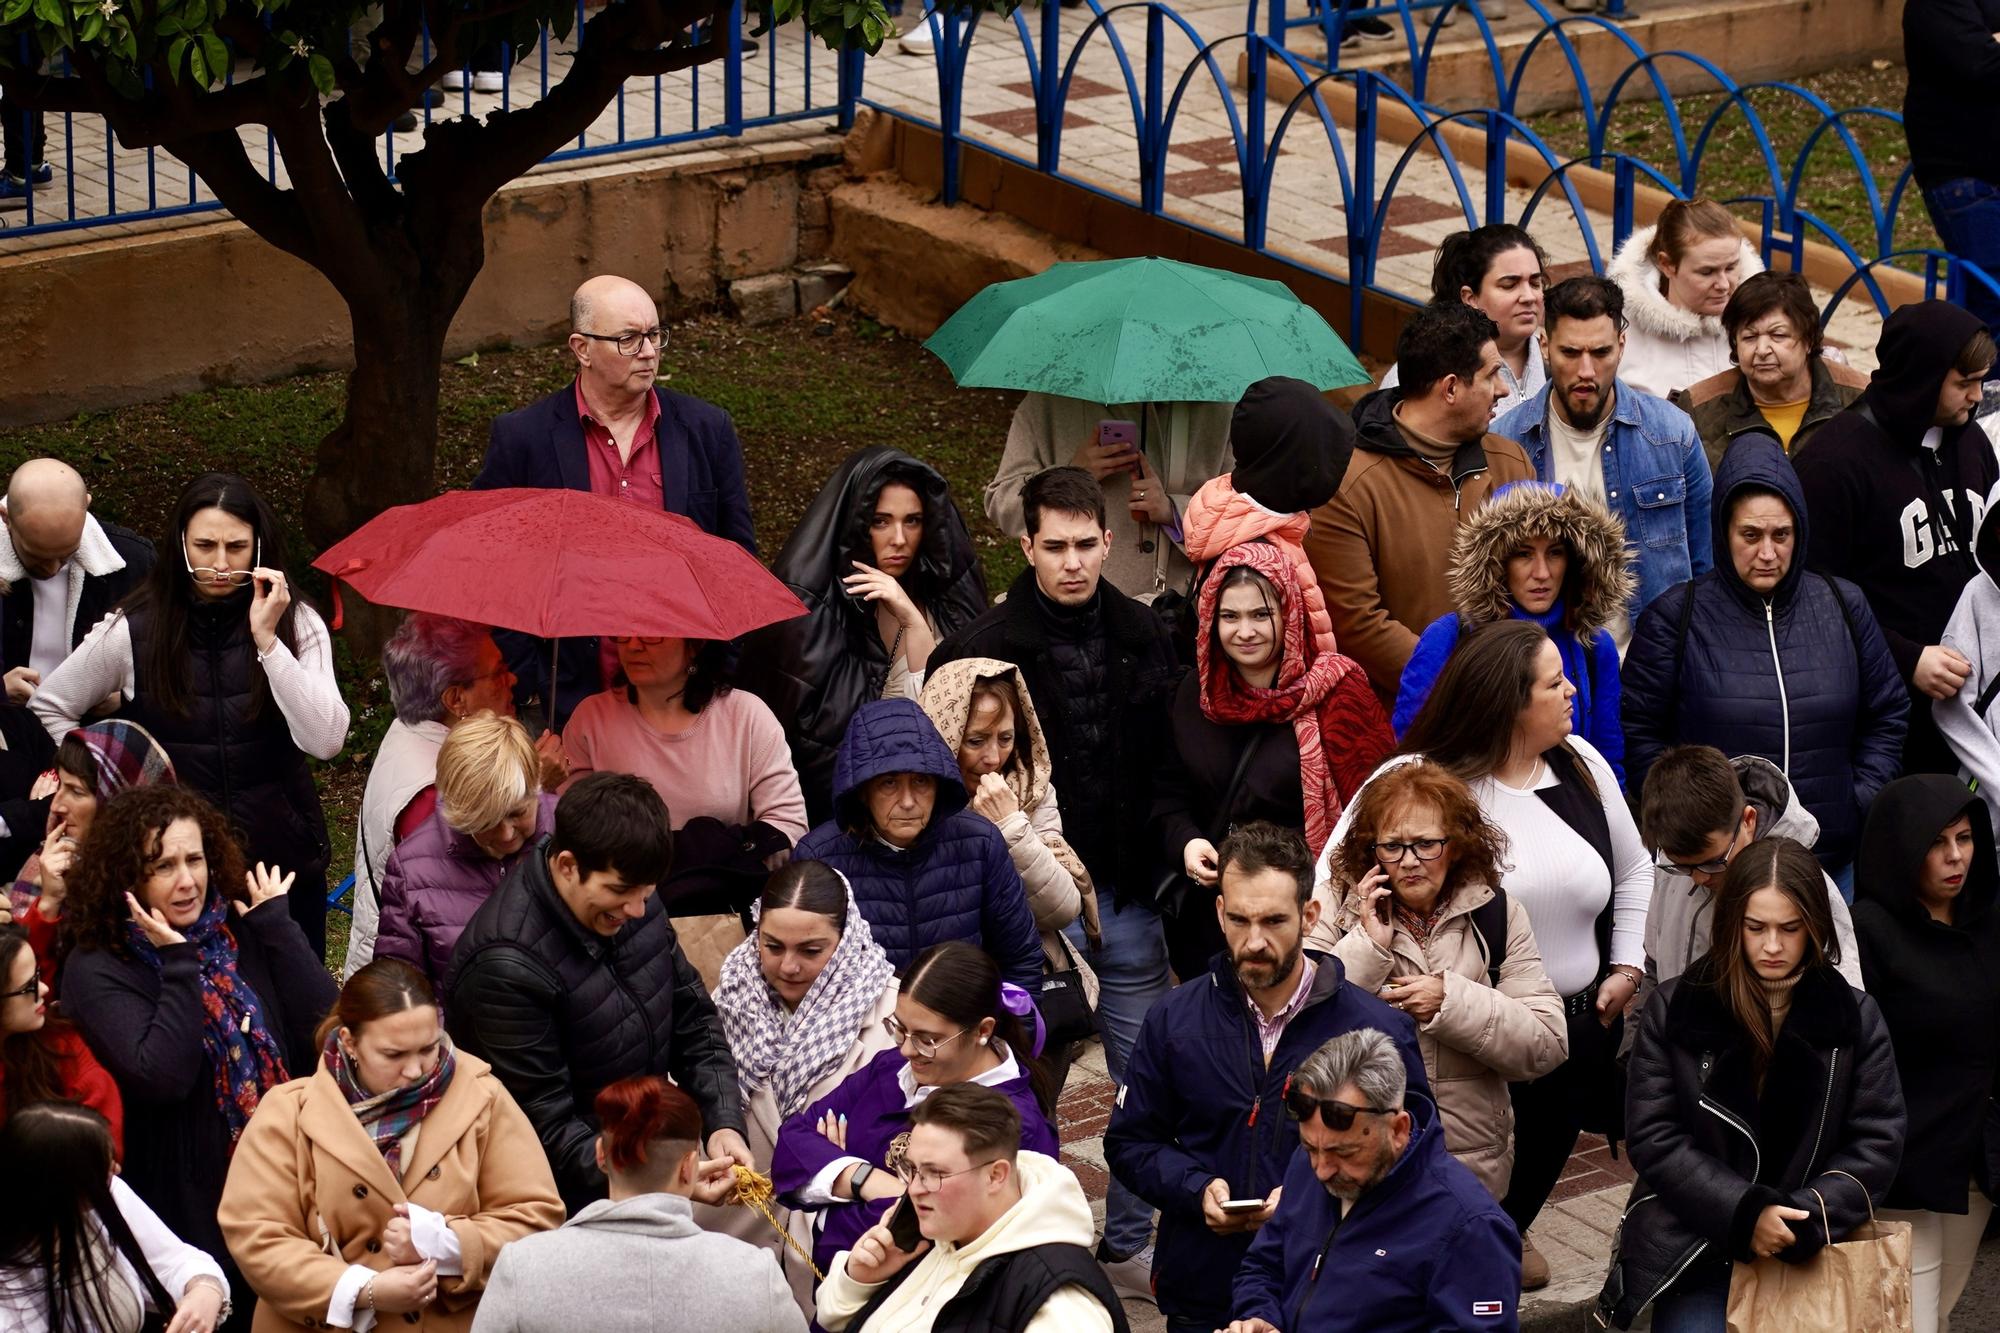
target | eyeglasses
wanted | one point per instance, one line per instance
(30, 991)
(1425, 849)
(1302, 1106)
(1715, 867)
(927, 1047)
(651, 641)
(235, 578)
(628, 343)
(933, 1181)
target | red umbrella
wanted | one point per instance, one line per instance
(559, 564)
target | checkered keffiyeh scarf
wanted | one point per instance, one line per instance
(388, 1116)
(790, 1052)
(126, 755)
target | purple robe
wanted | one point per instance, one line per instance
(872, 1100)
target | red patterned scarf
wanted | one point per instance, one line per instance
(1341, 729)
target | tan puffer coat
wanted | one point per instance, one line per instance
(1482, 1038)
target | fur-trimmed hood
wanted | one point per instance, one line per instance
(1647, 307)
(1599, 583)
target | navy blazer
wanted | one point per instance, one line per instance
(542, 445)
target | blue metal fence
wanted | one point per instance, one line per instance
(1155, 83)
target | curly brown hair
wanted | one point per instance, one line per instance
(1478, 846)
(112, 862)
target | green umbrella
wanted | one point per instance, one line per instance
(1140, 331)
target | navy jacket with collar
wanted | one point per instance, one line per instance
(1426, 1249)
(1199, 1102)
(542, 445)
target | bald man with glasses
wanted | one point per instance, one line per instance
(615, 432)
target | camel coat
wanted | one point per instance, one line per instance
(761, 1121)
(1482, 1038)
(309, 1194)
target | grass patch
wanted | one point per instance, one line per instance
(802, 401)
(1732, 165)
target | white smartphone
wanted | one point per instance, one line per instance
(1242, 1205)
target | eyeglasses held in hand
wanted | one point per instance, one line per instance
(933, 1181)
(628, 342)
(1425, 849)
(927, 1047)
(1302, 1106)
(235, 578)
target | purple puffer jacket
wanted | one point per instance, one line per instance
(436, 879)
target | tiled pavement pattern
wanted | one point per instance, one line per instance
(1099, 144)
(1573, 1233)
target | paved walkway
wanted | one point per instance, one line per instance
(1574, 1231)
(1100, 146)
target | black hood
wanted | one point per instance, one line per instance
(834, 531)
(1292, 446)
(1375, 424)
(1919, 344)
(1903, 821)
(1756, 460)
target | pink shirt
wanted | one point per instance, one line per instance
(1269, 1030)
(636, 479)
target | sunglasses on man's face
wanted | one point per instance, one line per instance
(1336, 1116)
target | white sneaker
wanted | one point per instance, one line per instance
(453, 81)
(917, 41)
(488, 81)
(1132, 1276)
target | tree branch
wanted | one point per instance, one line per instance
(224, 165)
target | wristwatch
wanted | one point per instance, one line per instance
(859, 1178)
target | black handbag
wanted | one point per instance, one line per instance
(1066, 1013)
(1175, 889)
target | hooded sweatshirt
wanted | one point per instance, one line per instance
(1596, 586)
(1801, 676)
(667, 1272)
(1052, 1210)
(1890, 512)
(1378, 548)
(1938, 985)
(956, 881)
(1974, 630)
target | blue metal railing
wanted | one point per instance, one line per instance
(1134, 37)
(791, 77)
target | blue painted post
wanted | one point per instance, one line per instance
(852, 65)
(1496, 167)
(1152, 149)
(1256, 191)
(951, 95)
(1048, 138)
(1274, 25)
(1361, 209)
(732, 73)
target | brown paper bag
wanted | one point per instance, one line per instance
(1861, 1284)
(707, 940)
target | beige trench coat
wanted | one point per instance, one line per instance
(309, 1194)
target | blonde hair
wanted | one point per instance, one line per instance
(1684, 222)
(486, 767)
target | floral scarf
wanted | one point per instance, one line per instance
(245, 1057)
(790, 1052)
(389, 1116)
(1303, 694)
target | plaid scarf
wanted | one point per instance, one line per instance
(388, 1116)
(126, 755)
(790, 1052)
(245, 1058)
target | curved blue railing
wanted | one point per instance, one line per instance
(1156, 85)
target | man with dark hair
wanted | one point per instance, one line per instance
(1896, 486)
(1617, 446)
(570, 978)
(1200, 1132)
(1100, 670)
(1781, 383)
(1698, 809)
(1005, 1235)
(1380, 1227)
(1424, 460)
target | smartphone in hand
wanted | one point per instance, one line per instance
(903, 1229)
(1242, 1205)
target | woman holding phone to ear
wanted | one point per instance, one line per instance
(218, 657)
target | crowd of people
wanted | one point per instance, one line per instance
(1588, 733)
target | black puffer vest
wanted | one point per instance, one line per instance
(1007, 1291)
(1082, 659)
(226, 746)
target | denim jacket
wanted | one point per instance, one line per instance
(1655, 478)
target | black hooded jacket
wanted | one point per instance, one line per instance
(1954, 87)
(814, 671)
(1888, 514)
(1938, 985)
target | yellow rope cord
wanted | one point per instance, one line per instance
(756, 1192)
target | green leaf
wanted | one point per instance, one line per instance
(128, 44)
(93, 27)
(50, 12)
(198, 67)
(217, 53)
(15, 11)
(194, 14)
(176, 53)
(123, 81)
(321, 70)
(168, 26)
(562, 22)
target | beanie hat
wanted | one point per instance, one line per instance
(1292, 446)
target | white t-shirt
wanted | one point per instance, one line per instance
(1577, 456)
(51, 642)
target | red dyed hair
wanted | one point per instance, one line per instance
(642, 1110)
